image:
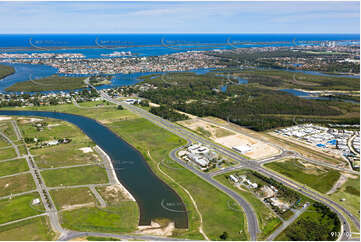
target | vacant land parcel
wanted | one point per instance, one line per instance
(319, 178)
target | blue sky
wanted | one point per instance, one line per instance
(179, 17)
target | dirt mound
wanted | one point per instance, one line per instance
(156, 229)
(116, 193)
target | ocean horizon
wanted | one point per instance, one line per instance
(66, 40)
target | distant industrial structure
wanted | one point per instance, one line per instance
(342, 142)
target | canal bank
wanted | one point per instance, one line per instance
(130, 167)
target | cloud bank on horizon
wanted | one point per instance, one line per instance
(180, 17)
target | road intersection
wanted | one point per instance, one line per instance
(252, 221)
(244, 163)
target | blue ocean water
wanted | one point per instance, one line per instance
(154, 44)
(22, 40)
(93, 46)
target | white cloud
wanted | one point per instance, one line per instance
(178, 17)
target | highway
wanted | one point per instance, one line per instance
(244, 163)
(252, 221)
(71, 235)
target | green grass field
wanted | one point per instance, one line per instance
(311, 225)
(351, 192)
(22, 149)
(75, 176)
(122, 218)
(18, 207)
(53, 129)
(62, 154)
(16, 184)
(319, 179)
(67, 197)
(36, 229)
(104, 115)
(143, 135)
(3, 143)
(97, 104)
(13, 166)
(217, 216)
(268, 221)
(65, 155)
(7, 153)
(8, 130)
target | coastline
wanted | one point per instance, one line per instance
(7, 74)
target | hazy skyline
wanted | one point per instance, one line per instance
(180, 17)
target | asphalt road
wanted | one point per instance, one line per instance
(253, 227)
(70, 235)
(254, 165)
(285, 224)
(252, 221)
(42, 190)
(11, 143)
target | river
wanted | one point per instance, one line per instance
(154, 197)
(308, 95)
(25, 72)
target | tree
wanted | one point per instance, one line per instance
(120, 107)
(224, 236)
(144, 103)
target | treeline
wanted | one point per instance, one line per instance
(6, 71)
(283, 191)
(289, 79)
(344, 67)
(50, 83)
(247, 57)
(323, 226)
(247, 105)
(270, 59)
(168, 113)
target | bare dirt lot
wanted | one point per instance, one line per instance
(206, 129)
(229, 138)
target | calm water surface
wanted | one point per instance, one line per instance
(155, 198)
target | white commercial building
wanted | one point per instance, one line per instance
(199, 160)
(36, 201)
(233, 178)
(242, 148)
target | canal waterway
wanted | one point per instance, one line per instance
(154, 197)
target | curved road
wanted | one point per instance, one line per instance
(252, 222)
(254, 165)
(253, 227)
(180, 131)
